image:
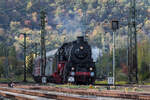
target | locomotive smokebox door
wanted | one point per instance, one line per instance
(115, 25)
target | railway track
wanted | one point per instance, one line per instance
(25, 94)
(92, 92)
(36, 92)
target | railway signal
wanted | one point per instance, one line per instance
(114, 26)
(25, 47)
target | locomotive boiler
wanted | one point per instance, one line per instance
(72, 62)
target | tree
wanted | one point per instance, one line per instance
(143, 60)
(1, 67)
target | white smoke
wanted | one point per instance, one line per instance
(96, 52)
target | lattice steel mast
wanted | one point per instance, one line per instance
(84, 19)
(132, 50)
(43, 49)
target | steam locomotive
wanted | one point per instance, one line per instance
(72, 62)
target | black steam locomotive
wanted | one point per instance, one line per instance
(72, 62)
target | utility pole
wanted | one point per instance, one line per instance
(43, 49)
(84, 19)
(25, 36)
(132, 52)
(6, 52)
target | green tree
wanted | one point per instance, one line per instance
(143, 60)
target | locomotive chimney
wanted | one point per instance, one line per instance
(80, 38)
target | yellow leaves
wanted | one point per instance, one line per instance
(58, 11)
(52, 5)
(48, 28)
(57, 45)
(62, 38)
(26, 30)
(147, 22)
(59, 26)
(29, 5)
(20, 37)
(28, 39)
(1, 32)
(121, 1)
(47, 42)
(52, 36)
(98, 30)
(141, 4)
(14, 24)
(89, 12)
(16, 38)
(148, 10)
(94, 32)
(70, 11)
(34, 16)
(104, 1)
(80, 12)
(87, 1)
(74, 8)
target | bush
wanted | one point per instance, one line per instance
(121, 77)
(18, 72)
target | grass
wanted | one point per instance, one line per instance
(121, 83)
(16, 79)
(117, 83)
(146, 83)
(73, 86)
(101, 82)
(4, 80)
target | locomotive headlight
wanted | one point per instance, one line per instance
(92, 74)
(72, 73)
(91, 68)
(72, 68)
(81, 47)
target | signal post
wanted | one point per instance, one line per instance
(115, 26)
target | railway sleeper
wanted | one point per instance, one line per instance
(41, 94)
(19, 96)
